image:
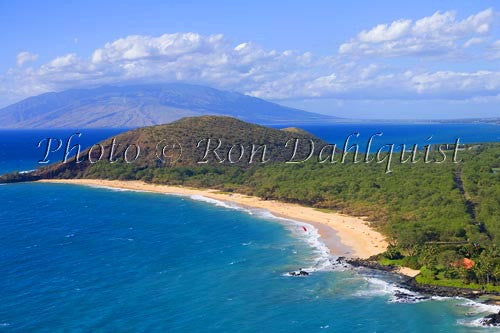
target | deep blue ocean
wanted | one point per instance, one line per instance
(408, 134)
(19, 151)
(83, 259)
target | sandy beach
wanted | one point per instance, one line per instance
(344, 235)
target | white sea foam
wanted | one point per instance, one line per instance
(218, 203)
(114, 189)
(478, 322)
(309, 234)
(472, 323)
(322, 258)
(117, 189)
(26, 171)
(478, 307)
(323, 261)
(475, 309)
(380, 287)
(377, 287)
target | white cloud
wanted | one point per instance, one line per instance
(63, 61)
(166, 46)
(495, 50)
(249, 68)
(384, 32)
(188, 57)
(474, 41)
(438, 34)
(25, 57)
(457, 85)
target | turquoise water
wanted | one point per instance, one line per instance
(84, 259)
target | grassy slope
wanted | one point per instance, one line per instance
(418, 206)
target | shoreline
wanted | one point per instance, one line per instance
(344, 235)
(335, 230)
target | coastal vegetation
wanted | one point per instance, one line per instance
(441, 218)
(429, 219)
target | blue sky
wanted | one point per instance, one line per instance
(429, 59)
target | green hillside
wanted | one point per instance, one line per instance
(435, 214)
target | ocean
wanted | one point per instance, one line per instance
(81, 259)
(408, 134)
(19, 151)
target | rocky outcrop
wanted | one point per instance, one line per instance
(356, 262)
(491, 320)
(300, 272)
(412, 284)
(444, 291)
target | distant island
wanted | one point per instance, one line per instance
(139, 105)
(440, 219)
(492, 120)
(131, 106)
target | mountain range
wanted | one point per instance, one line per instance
(144, 105)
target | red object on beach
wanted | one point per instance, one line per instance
(305, 229)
